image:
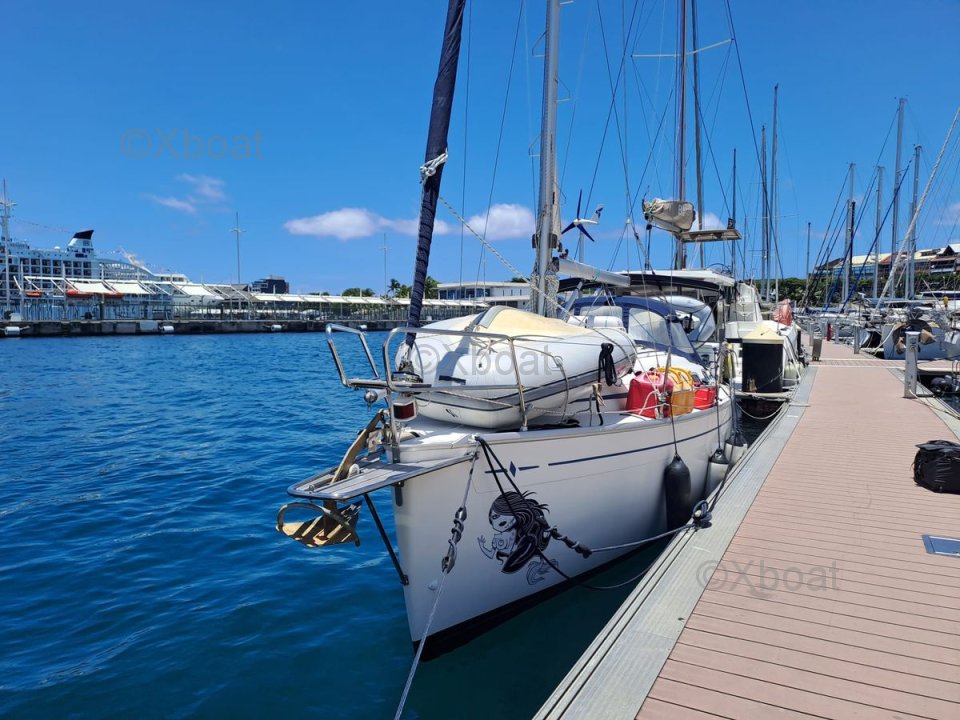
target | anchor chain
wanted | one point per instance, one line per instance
(450, 559)
(578, 548)
(459, 518)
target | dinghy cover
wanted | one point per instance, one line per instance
(474, 377)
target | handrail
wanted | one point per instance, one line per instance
(333, 327)
(458, 333)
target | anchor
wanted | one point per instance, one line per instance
(333, 524)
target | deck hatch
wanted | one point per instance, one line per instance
(937, 545)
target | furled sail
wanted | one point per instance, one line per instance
(673, 215)
(432, 169)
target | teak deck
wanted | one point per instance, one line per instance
(825, 603)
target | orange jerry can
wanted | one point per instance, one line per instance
(681, 391)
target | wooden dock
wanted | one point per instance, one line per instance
(822, 602)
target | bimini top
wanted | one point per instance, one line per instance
(664, 282)
(649, 322)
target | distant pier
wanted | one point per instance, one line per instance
(87, 328)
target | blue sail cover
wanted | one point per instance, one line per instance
(436, 146)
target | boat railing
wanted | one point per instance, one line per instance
(344, 379)
(392, 382)
(407, 387)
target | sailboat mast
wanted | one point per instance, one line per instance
(236, 231)
(876, 245)
(848, 246)
(6, 248)
(436, 154)
(774, 209)
(806, 290)
(764, 219)
(680, 257)
(696, 120)
(546, 238)
(910, 282)
(733, 243)
(894, 240)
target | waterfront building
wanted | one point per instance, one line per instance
(511, 294)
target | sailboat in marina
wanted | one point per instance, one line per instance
(521, 449)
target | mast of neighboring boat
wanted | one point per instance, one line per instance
(896, 186)
(436, 154)
(696, 121)
(775, 206)
(544, 278)
(6, 248)
(733, 242)
(876, 244)
(806, 268)
(891, 279)
(910, 280)
(848, 246)
(764, 217)
(237, 230)
(680, 257)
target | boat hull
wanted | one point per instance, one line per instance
(599, 486)
(936, 350)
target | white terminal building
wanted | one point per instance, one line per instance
(511, 294)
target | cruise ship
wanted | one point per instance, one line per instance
(75, 283)
(29, 272)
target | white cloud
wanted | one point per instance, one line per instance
(344, 224)
(712, 222)
(205, 191)
(352, 223)
(504, 221)
(412, 227)
(174, 203)
(205, 188)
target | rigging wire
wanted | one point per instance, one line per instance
(875, 242)
(576, 95)
(824, 252)
(486, 244)
(923, 198)
(503, 121)
(612, 109)
(436, 601)
(466, 118)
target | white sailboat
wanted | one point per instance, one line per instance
(543, 442)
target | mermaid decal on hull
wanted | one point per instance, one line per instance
(521, 535)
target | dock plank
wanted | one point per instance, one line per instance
(817, 681)
(846, 600)
(775, 694)
(853, 638)
(694, 696)
(829, 647)
(863, 667)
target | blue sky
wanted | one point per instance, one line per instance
(309, 118)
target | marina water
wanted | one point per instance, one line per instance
(140, 572)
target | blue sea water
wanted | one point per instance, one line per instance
(141, 574)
